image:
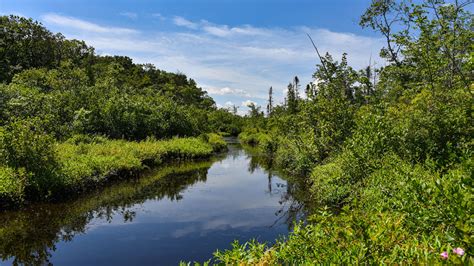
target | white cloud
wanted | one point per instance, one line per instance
(218, 30)
(78, 24)
(226, 105)
(180, 21)
(226, 91)
(232, 63)
(225, 31)
(130, 15)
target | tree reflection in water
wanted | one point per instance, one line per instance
(292, 193)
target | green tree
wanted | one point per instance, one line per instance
(270, 101)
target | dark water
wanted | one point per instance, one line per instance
(180, 212)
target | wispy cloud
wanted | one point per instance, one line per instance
(159, 16)
(78, 24)
(130, 15)
(180, 21)
(218, 30)
(234, 64)
(225, 31)
(227, 91)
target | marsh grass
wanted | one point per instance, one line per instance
(84, 162)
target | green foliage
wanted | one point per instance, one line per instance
(216, 141)
(25, 147)
(403, 213)
(428, 200)
(73, 91)
(388, 159)
(53, 89)
(432, 124)
(84, 161)
(252, 136)
(222, 120)
(12, 184)
(93, 162)
(26, 44)
(249, 253)
(386, 153)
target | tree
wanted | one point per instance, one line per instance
(270, 102)
(254, 110)
(426, 44)
(291, 99)
(296, 86)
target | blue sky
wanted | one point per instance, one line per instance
(235, 50)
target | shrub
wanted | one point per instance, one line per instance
(216, 141)
(25, 146)
(12, 185)
(434, 125)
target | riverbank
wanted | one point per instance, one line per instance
(401, 212)
(160, 217)
(84, 162)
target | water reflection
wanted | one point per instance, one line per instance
(292, 191)
(183, 211)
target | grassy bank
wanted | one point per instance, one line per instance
(83, 162)
(401, 213)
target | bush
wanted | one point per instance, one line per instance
(25, 147)
(435, 125)
(428, 200)
(297, 155)
(216, 141)
(12, 185)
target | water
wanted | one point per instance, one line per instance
(180, 212)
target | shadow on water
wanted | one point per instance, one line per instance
(182, 211)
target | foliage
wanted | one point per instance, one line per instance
(66, 115)
(12, 184)
(404, 213)
(251, 253)
(224, 121)
(25, 147)
(386, 153)
(73, 91)
(216, 141)
(84, 162)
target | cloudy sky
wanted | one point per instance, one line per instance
(235, 50)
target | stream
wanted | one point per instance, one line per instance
(180, 212)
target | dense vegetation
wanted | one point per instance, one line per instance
(386, 153)
(62, 106)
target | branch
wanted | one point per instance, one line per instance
(320, 58)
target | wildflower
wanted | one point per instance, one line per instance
(444, 255)
(458, 251)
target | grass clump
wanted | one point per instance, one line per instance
(216, 141)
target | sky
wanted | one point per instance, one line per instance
(235, 50)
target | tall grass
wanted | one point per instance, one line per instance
(83, 162)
